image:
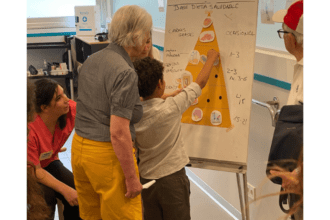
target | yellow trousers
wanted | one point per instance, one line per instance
(100, 182)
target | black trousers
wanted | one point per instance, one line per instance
(168, 198)
(64, 175)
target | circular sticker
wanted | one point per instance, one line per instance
(206, 36)
(186, 79)
(207, 22)
(203, 59)
(216, 118)
(197, 114)
(178, 82)
(194, 57)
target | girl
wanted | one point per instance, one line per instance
(49, 131)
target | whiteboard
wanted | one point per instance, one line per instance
(232, 32)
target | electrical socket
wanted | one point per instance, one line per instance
(252, 192)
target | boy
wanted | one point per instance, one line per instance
(158, 137)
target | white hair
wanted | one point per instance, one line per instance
(129, 25)
(298, 36)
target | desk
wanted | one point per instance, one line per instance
(66, 44)
(87, 45)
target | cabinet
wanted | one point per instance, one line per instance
(85, 46)
(66, 44)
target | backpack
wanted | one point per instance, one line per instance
(286, 145)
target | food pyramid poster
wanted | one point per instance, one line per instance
(211, 108)
(216, 126)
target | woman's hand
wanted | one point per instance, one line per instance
(290, 180)
(121, 140)
(70, 195)
(133, 187)
(47, 179)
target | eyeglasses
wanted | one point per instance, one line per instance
(281, 33)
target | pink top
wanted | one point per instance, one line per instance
(41, 147)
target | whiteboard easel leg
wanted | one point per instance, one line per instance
(246, 197)
(240, 195)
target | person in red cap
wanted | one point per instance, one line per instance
(292, 33)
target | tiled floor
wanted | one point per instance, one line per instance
(202, 206)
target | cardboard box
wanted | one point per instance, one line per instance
(87, 20)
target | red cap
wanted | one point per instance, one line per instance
(293, 17)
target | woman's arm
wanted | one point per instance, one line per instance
(47, 179)
(122, 144)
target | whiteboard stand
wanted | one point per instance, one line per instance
(227, 166)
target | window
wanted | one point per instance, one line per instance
(54, 8)
(158, 18)
(53, 14)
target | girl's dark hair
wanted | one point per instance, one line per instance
(44, 93)
(30, 99)
(150, 71)
(37, 208)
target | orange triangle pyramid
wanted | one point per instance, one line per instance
(212, 107)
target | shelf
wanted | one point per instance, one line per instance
(69, 75)
(51, 45)
(54, 45)
(48, 45)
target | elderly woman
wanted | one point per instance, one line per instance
(153, 52)
(108, 105)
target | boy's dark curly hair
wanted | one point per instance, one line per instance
(150, 71)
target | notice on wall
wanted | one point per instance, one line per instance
(267, 11)
(289, 3)
(222, 112)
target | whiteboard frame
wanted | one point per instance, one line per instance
(227, 166)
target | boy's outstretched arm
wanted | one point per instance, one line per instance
(172, 94)
(204, 74)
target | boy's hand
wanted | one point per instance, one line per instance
(213, 55)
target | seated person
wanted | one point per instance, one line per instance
(49, 131)
(158, 138)
(37, 208)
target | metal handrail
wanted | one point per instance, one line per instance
(272, 106)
